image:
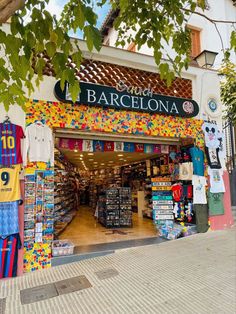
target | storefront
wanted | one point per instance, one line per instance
(126, 157)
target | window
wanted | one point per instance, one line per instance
(132, 47)
(195, 42)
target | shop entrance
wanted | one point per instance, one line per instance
(103, 191)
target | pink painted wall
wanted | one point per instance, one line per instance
(224, 221)
(21, 223)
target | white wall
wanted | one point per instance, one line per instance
(210, 40)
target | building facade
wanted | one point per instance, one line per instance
(122, 101)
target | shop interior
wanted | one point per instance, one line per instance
(107, 196)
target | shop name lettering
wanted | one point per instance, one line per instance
(128, 97)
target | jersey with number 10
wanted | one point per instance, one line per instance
(10, 144)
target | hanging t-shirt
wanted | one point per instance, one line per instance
(139, 148)
(9, 255)
(129, 147)
(215, 203)
(148, 148)
(199, 190)
(185, 154)
(212, 155)
(39, 145)
(118, 146)
(87, 146)
(177, 192)
(198, 160)
(10, 144)
(216, 180)
(211, 135)
(108, 146)
(98, 146)
(186, 171)
(9, 219)
(10, 184)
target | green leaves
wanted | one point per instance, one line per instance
(50, 48)
(233, 40)
(74, 90)
(92, 37)
(228, 89)
(36, 36)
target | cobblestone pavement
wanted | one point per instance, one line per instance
(191, 275)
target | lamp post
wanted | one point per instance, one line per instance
(206, 59)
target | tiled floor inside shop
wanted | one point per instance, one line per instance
(86, 230)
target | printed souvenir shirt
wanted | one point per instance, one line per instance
(199, 190)
(10, 184)
(10, 143)
(211, 135)
(198, 161)
(216, 206)
(39, 144)
(216, 180)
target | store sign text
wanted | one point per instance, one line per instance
(126, 97)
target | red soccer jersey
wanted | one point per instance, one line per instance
(10, 144)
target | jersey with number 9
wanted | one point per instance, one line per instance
(10, 144)
(10, 184)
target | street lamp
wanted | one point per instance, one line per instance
(206, 59)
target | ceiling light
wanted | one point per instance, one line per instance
(120, 155)
(121, 159)
(90, 154)
(81, 158)
(81, 155)
(102, 164)
(91, 159)
(75, 150)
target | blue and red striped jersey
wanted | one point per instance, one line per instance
(9, 255)
(10, 144)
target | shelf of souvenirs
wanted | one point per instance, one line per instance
(61, 198)
(58, 206)
(62, 192)
(60, 226)
(59, 214)
(61, 163)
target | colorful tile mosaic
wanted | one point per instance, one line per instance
(37, 256)
(61, 115)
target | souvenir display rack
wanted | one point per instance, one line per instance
(116, 211)
(162, 200)
(64, 196)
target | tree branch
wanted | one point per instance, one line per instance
(8, 8)
(208, 18)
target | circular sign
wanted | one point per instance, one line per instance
(188, 107)
(212, 107)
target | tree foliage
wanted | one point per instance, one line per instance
(228, 90)
(37, 37)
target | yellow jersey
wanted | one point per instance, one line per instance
(10, 184)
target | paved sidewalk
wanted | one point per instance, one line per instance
(191, 275)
